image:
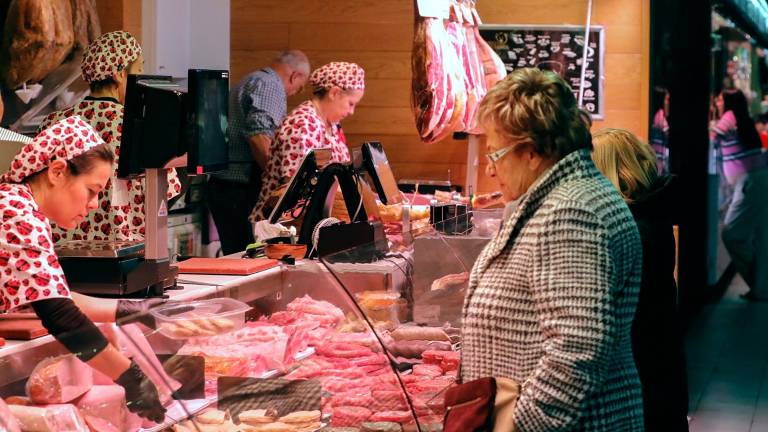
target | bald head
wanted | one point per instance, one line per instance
(293, 68)
(293, 59)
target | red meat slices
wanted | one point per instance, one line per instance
(349, 416)
(392, 416)
(343, 385)
(429, 370)
(437, 357)
(343, 350)
(389, 400)
(352, 399)
(370, 360)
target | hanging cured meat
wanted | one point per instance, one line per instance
(452, 70)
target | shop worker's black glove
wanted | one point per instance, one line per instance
(141, 394)
(131, 311)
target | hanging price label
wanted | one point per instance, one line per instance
(434, 8)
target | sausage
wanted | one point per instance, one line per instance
(420, 333)
(415, 348)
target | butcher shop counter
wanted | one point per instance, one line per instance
(384, 275)
(347, 339)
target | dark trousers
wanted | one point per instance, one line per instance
(231, 204)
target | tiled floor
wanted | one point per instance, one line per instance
(727, 349)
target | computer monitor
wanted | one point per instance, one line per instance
(301, 186)
(165, 118)
(208, 102)
(376, 164)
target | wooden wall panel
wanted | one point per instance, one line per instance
(120, 15)
(378, 35)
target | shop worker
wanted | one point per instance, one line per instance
(58, 178)
(337, 88)
(257, 106)
(105, 66)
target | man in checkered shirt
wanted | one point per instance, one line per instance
(257, 106)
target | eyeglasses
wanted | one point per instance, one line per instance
(500, 153)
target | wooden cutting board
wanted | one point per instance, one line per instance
(23, 329)
(226, 266)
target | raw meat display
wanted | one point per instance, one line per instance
(37, 37)
(8, 422)
(132, 342)
(252, 420)
(197, 327)
(104, 410)
(310, 340)
(59, 380)
(51, 418)
(85, 20)
(350, 416)
(380, 427)
(415, 348)
(410, 333)
(452, 69)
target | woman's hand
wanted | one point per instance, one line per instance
(141, 394)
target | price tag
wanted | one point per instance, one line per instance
(120, 195)
(434, 8)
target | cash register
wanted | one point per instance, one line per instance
(311, 192)
(164, 119)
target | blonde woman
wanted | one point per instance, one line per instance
(630, 165)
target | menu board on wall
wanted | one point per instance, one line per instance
(556, 48)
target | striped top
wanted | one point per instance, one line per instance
(659, 140)
(737, 159)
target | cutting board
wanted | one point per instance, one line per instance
(23, 329)
(226, 266)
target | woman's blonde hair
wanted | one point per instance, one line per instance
(625, 161)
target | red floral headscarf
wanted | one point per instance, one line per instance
(64, 140)
(109, 54)
(347, 76)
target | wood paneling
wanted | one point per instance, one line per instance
(377, 35)
(120, 15)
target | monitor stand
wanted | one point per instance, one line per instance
(120, 269)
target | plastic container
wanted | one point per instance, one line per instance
(202, 318)
(380, 306)
(486, 222)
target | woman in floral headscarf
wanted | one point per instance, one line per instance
(337, 88)
(106, 65)
(57, 178)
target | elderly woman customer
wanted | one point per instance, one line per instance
(552, 297)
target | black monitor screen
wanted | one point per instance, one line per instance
(153, 124)
(208, 100)
(167, 118)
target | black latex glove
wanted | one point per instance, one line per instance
(131, 311)
(141, 394)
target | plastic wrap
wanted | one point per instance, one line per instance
(51, 418)
(59, 380)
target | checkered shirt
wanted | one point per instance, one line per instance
(551, 300)
(257, 106)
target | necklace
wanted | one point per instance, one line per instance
(321, 115)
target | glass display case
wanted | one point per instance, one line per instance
(368, 345)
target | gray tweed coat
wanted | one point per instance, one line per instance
(551, 300)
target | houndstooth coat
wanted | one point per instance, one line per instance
(551, 300)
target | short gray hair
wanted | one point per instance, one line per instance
(294, 59)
